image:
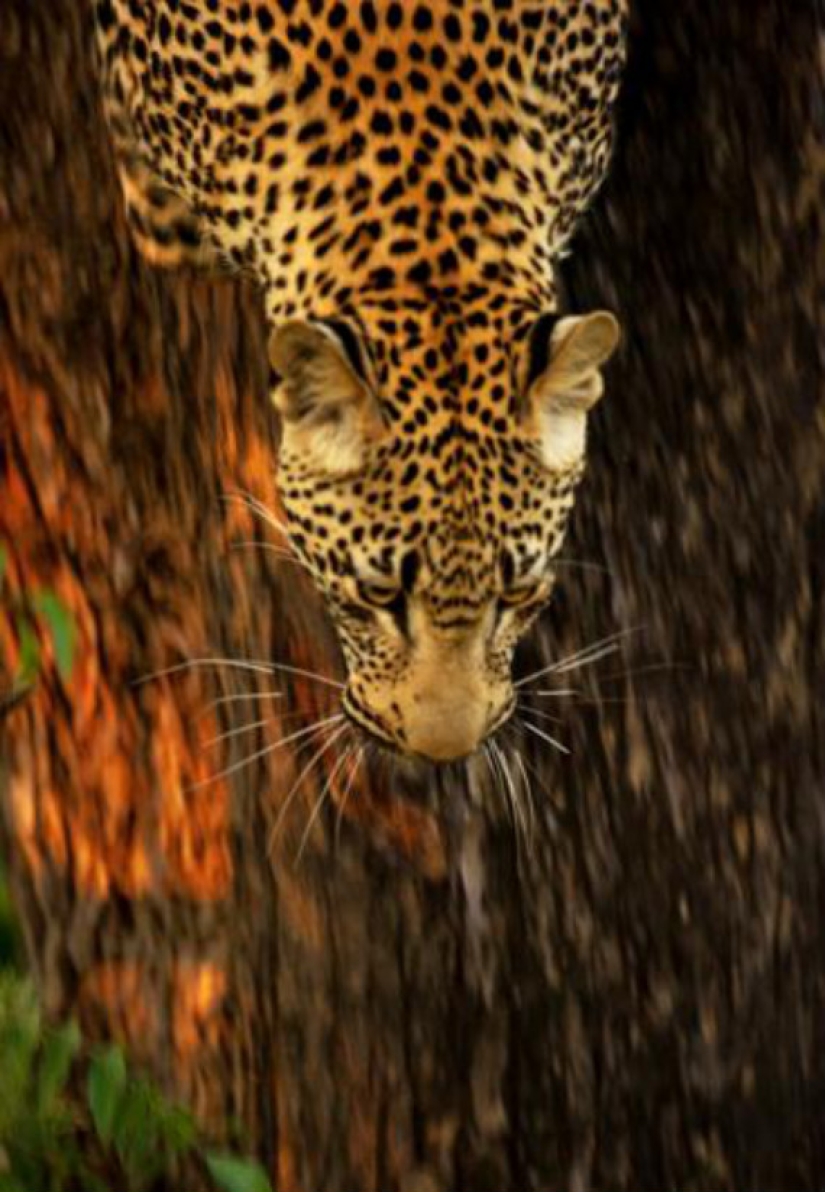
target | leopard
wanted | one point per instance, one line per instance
(402, 180)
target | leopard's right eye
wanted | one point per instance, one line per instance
(526, 595)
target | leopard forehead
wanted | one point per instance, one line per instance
(458, 497)
(455, 481)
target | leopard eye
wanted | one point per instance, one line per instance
(524, 595)
(377, 594)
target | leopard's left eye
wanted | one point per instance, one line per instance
(525, 595)
(378, 595)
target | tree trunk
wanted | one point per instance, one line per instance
(630, 991)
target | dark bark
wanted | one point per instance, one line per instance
(635, 998)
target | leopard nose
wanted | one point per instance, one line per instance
(446, 731)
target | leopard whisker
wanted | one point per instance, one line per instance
(233, 769)
(542, 715)
(248, 728)
(236, 732)
(486, 752)
(588, 659)
(538, 732)
(256, 666)
(282, 555)
(320, 801)
(359, 757)
(234, 699)
(528, 789)
(270, 548)
(254, 505)
(518, 819)
(499, 783)
(583, 657)
(336, 733)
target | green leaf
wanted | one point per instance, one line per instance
(29, 651)
(61, 627)
(19, 1033)
(105, 1087)
(177, 1128)
(135, 1133)
(59, 1050)
(236, 1175)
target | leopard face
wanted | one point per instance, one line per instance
(427, 482)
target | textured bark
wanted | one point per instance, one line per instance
(633, 998)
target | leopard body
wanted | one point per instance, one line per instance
(401, 178)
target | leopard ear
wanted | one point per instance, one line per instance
(329, 410)
(564, 382)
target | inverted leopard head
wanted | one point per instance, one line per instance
(427, 471)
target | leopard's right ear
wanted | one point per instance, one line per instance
(331, 416)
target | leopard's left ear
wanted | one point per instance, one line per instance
(324, 393)
(564, 381)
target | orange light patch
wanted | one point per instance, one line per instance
(198, 993)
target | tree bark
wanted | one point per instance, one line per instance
(631, 992)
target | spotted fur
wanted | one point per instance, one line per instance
(400, 177)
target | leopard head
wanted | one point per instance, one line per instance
(427, 477)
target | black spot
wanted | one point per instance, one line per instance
(422, 18)
(265, 18)
(309, 85)
(386, 59)
(369, 18)
(279, 55)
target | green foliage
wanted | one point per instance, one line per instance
(29, 661)
(58, 1050)
(236, 1175)
(35, 1119)
(42, 607)
(61, 626)
(105, 1086)
(71, 1121)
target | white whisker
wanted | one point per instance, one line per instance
(235, 699)
(236, 732)
(255, 506)
(541, 715)
(587, 659)
(293, 790)
(557, 691)
(518, 820)
(260, 668)
(489, 760)
(247, 728)
(257, 666)
(528, 790)
(320, 802)
(285, 556)
(258, 754)
(581, 657)
(533, 728)
(516, 801)
(270, 547)
(359, 757)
